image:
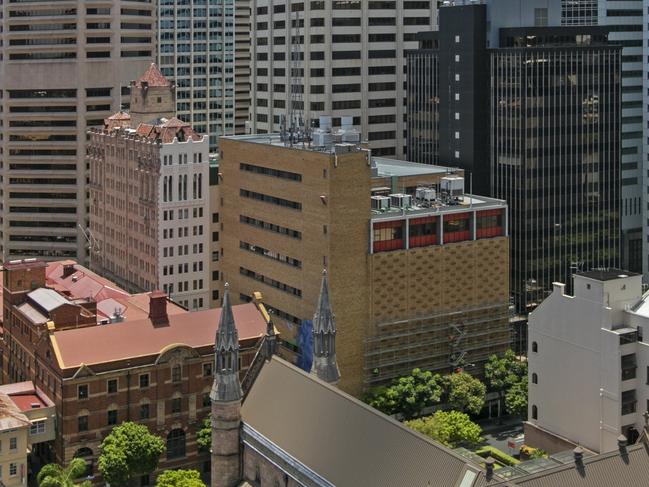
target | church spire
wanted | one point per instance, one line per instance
(226, 386)
(324, 337)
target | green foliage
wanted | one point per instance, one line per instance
(464, 392)
(179, 478)
(516, 399)
(496, 454)
(538, 453)
(129, 451)
(53, 475)
(204, 435)
(451, 428)
(407, 395)
(502, 372)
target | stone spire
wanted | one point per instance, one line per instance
(226, 386)
(324, 337)
(271, 339)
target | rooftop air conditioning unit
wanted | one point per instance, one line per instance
(380, 203)
(400, 200)
(452, 185)
(426, 195)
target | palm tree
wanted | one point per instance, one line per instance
(53, 475)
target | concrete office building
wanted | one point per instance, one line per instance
(589, 363)
(625, 23)
(338, 58)
(403, 270)
(63, 68)
(204, 48)
(149, 200)
(565, 213)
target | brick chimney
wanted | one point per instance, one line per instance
(68, 270)
(158, 308)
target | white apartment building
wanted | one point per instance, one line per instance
(589, 363)
(63, 68)
(204, 48)
(149, 197)
(337, 58)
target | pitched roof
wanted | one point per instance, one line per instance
(153, 77)
(605, 470)
(141, 338)
(343, 440)
(165, 130)
(10, 416)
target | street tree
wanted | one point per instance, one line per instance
(451, 428)
(128, 452)
(464, 392)
(179, 478)
(53, 475)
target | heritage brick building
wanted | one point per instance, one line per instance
(155, 370)
(419, 282)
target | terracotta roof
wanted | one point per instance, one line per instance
(167, 130)
(24, 394)
(117, 120)
(153, 77)
(26, 402)
(140, 338)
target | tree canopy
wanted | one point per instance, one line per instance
(53, 475)
(129, 451)
(179, 478)
(464, 392)
(516, 399)
(204, 435)
(408, 395)
(502, 372)
(451, 428)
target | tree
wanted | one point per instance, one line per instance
(451, 428)
(53, 475)
(464, 392)
(179, 478)
(204, 435)
(129, 451)
(516, 399)
(408, 395)
(503, 372)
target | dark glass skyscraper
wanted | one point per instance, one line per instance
(555, 124)
(533, 115)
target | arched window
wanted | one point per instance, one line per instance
(535, 412)
(535, 347)
(86, 454)
(535, 378)
(176, 445)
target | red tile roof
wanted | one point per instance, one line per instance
(153, 77)
(120, 341)
(25, 401)
(166, 131)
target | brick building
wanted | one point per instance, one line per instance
(418, 268)
(155, 370)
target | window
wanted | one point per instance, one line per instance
(112, 417)
(111, 386)
(145, 411)
(13, 469)
(176, 444)
(13, 443)
(629, 402)
(628, 366)
(207, 369)
(37, 427)
(535, 347)
(82, 423)
(535, 378)
(535, 412)
(207, 402)
(82, 391)
(176, 405)
(144, 381)
(176, 373)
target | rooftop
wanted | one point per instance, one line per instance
(26, 396)
(10, 415)
(153, 77)
(606, 274)
(141, 338)
(393, 167)
(275, 140)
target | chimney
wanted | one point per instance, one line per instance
(622, 443)
(579, 455)
(68, 270)
(489, 465)
(158, 308)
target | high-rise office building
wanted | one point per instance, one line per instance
(553, 146)
(203, 47)
(338, 58)
(63, 68)
(626, 26)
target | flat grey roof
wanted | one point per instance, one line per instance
(606, 274)
(394, 167)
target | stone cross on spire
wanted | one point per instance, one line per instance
(226, 386)
(324, 337)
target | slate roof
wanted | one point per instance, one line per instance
(343, 440)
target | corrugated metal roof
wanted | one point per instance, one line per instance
(32, 314)
(48, 299)
(340, 438)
